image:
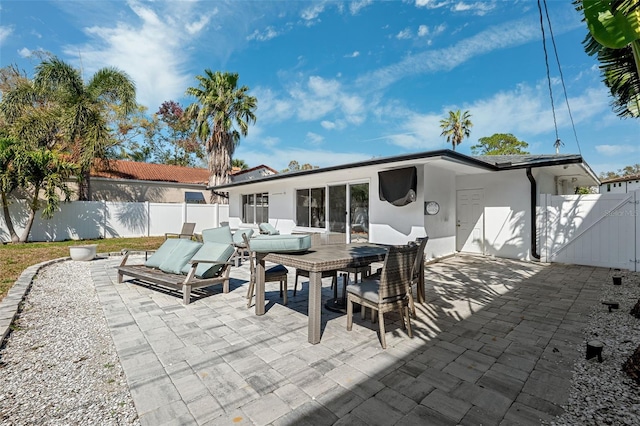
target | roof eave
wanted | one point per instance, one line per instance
(452, 155)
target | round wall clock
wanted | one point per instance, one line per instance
(431, 207)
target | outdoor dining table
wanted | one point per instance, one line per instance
(333, 257)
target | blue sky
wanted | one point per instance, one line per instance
(338, 82)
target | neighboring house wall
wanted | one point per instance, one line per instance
(620, 187)
(137, 191)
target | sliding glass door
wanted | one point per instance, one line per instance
(348, 207)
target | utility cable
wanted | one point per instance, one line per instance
(546, 61)
(564, 88)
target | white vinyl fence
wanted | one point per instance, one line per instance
(99, 219)
(599, 230)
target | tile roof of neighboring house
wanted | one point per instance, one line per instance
(120, 169)
(621, 179)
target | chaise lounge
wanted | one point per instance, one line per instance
(183, 265)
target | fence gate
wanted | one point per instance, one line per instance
(599, 230)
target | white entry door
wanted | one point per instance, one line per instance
(470, 221)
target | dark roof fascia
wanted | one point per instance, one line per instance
(542, 163)
(576, 159)
(465, 159)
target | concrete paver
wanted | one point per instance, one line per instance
(492, 345)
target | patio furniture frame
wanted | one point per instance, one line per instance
(184, 283)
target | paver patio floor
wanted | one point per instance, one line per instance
(494, 344)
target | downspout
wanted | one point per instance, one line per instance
(534, 231)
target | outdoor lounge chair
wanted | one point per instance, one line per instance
(181, 264)
(275, 273)
(388, 290)
(267, 228)
(185, 232)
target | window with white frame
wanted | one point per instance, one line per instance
(310, 207)
(255, 208)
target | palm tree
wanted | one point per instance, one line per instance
(84, 109)
(222, 113)
(618, 56)
(456, 127)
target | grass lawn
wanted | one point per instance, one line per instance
(15, 258)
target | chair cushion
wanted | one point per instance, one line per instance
(281, 243)
(218, 235)
(237, 236)
(163, 252)
(179, 257)
(213, 252)
(278, 269)
(268, 228)
(366, 289)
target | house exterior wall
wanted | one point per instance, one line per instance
(440, 186)
(507, 213)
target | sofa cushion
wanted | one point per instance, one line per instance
(179, 257)
(221, 234)
(212, 252)
(237, 236)
(268, 228)
(280, 243)
(163, 252)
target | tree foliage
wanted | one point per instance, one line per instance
(620, 67)
(632, 170)
(456, 127)
(500, 144)
(222, 113)
(177, 144)
(294, 166)
(240, 163)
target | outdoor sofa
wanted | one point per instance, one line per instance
(183, 265)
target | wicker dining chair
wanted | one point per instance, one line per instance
(388, 290)
(417, 270)
(275, 273)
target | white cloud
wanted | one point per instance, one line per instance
(404, 34)
(423, 30)
(197, 26)
(311, 13)
(356, 6)
(329, 125)
(355, 54)
(611, 150)
(152, 51)
(5, 32)
(314, 139)
(265, 35)
(477, 8)
(524, 111)
(24, 52)
(431, 4)
(508, 34)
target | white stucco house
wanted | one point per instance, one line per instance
(620, 185)
(484, 205)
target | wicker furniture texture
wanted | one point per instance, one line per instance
(334, 257)
(388, 291)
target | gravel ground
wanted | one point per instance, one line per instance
(59, 365)
(601, 393)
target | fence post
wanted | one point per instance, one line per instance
(148, 218)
